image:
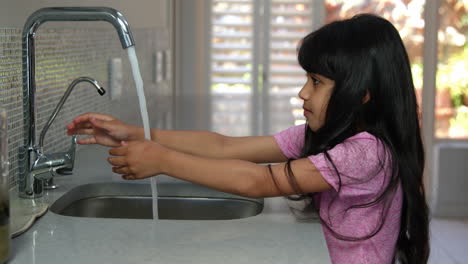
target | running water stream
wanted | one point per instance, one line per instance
(144, 115)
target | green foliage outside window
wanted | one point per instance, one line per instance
(453, 75)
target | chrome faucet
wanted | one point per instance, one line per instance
(46, 166)
(67, 158)
(33, 164)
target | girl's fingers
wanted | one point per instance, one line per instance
(84, 120)
(87, 141)
(101, 124)
(86, 124)
(117, 161)
(120, 151)
(77, 128)
(86, 117)
(70, 126)
(124, 170)
(129, 177)
(81, 131)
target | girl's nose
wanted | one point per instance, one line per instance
(303, 94)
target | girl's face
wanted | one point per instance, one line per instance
(316, 94)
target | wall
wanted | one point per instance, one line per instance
(191, 75)
(451, 180)
(149, 14)
(65, 51)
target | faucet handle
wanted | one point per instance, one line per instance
(65, 169)
(70, 156)
(72, 148)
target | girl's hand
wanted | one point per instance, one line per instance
(137, 159)
(104, 129)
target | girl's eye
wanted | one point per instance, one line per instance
(315, 81)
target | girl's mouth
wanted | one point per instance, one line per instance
(306, 112)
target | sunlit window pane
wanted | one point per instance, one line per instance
(231, 67)
(290, 21)
(451, 113)
(406, 16)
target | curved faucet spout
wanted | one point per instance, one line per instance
(29, 61)
(29, 185)
(82, 14)
(99, 89)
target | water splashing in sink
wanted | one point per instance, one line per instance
(144, 115)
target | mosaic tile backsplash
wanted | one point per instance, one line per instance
(63, 54)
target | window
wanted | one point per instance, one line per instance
(406, 16)
(289, 21)
(253, 90)
(451, 112)
(231, 66)
(255, 76)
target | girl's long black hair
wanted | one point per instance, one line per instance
(365, 55)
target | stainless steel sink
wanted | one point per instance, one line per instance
(182, 201)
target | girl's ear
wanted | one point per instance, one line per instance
(366, 98)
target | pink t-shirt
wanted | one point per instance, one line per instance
(364, 167)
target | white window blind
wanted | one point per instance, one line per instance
(231, 66)
(253, 89)
(290, 21)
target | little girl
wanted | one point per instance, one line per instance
(359, 157)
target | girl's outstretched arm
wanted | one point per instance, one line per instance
(108, 131)
(258, 149)
(142, 159)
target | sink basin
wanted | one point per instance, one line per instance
(181, 201)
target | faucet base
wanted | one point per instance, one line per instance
(35, 190)
(50, 184)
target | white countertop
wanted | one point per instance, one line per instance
(273, 236)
